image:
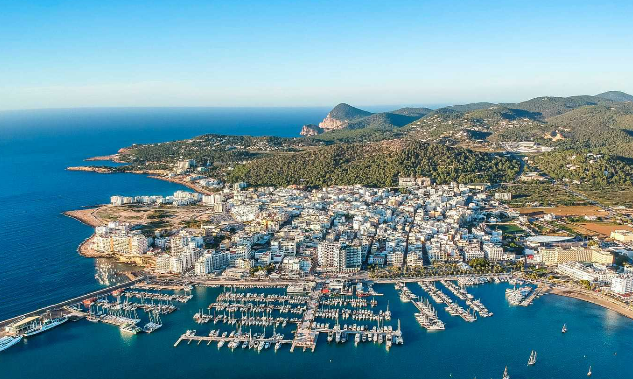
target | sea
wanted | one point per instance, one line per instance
(39, 265)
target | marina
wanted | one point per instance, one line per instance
(325, 338)
(306, 312)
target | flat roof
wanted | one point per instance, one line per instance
(548, 239)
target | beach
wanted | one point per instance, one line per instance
(594, 298)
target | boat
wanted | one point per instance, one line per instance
(564, 330)
(589, 373)
(130, 328)
(154, 323)
(46, 325)
(505, 373)
(8, 341)
(532, 359)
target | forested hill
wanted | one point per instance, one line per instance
(537, 110)
(599, 128)
(616, 96)
(377, 164)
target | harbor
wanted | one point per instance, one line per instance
(255, 331)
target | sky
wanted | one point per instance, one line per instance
(65, 54)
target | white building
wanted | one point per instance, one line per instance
(622, 284)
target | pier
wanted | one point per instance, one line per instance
(67, 303)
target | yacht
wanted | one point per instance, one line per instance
(532, 359)
(8, 341)
(589, 373)
(564, 330)
(44, 326)
(505, 373)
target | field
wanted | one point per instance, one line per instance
(582, 210)
(153, 218)
(507, 228)
(598, 228)
(539, 195)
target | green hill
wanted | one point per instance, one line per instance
(381, 120)
(618, 96)
(376, 164)
(607, 129)
(471, 106)
(548, 106)
(413, 112)
(345, 112)
(499, 112)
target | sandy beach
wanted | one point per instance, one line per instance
(594, 298)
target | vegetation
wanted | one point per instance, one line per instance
(602, 129)
(344, 112)
(586, 168)
(376, 165)
(539, 194)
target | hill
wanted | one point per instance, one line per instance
(618, 96)
(376, 165)
(548, 106)
(470, 107)
(605, 129)
(385, 120)
(414, 112)
(341, 115)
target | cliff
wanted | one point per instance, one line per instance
(340, 116)
(311, 130)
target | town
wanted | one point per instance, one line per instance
(418, 229)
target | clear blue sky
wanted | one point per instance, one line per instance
(305, 53)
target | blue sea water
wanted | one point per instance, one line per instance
(597, 337)
(39, 265)
(38, 260)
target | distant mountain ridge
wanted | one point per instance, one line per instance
(618, 96)
(549, 120)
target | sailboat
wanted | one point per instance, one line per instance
(532, 359)
(564, 330)
(589, 373)
(505, 373)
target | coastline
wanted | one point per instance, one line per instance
(183, 183)
(591, 297)
(87, 217)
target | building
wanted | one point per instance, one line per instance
(211, 261)
(556, 255)
(411, 181)
(493, 252)
(622, 284)
(579, 271)
(622, 235)
(507, 196)
(339, 257)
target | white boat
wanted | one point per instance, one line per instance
(564, 330)
(44, 326)
(505, 373)
(8, 341)
(532, 360)
(589, 373)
